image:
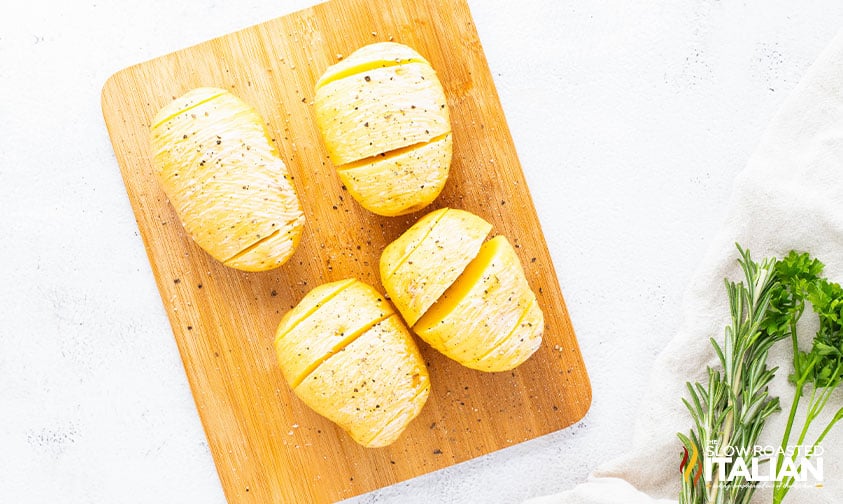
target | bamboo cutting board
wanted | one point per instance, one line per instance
(268, 446)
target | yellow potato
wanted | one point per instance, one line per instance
(385, 123)
(467, 299)
(373, 387)
(396, 253)
(400, 181)
(368, 57)
(347, 310)
(215, 162)
(424, 261)
(522, 343)
(348, 356)
(488, 318)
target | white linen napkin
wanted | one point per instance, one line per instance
(789, 196)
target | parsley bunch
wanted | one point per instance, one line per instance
(821, 368)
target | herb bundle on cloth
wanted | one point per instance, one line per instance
(789, 197)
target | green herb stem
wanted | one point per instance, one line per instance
(794, 407)
(731, 410)
(821, 369)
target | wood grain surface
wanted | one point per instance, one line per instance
(268, 446)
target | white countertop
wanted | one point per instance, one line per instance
(631, 120)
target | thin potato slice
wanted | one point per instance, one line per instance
(335, 323)
(368, 57)
(268, 251)
(434, 264)
(481, 311)
(521, 343)
(373, 387)
(401, 182)
(215, 162)
(399, 250)
(311, 302)
(381, 110)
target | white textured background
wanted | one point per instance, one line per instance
(630, 118)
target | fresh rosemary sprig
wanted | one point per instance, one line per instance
(731, 409)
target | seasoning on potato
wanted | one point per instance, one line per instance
(419, 265)
(467, 299)
(222, 174)
(348, 356)
(385, 123)
(488, 318)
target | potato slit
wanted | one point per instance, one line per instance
(183, 110)
(511, 331)
(423, 390)
(337, 348)
(462, 286)
(391, 153)
(252, 246)
(365, 67)
(315, 308)
(260, 241)
(410, 252)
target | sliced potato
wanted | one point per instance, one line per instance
(373, 109)
(521, 343)
(429, 257)
(467, 299)
(380, 110)
(334, 322)
(348, 356)
(401, 182)
(373, 387)
(309, 304)
(397, 252)
(369, 57)
(215, 162)
(478, 320)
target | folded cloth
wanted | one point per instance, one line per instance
(789, 196)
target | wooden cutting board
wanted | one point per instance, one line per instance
(268, 446)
